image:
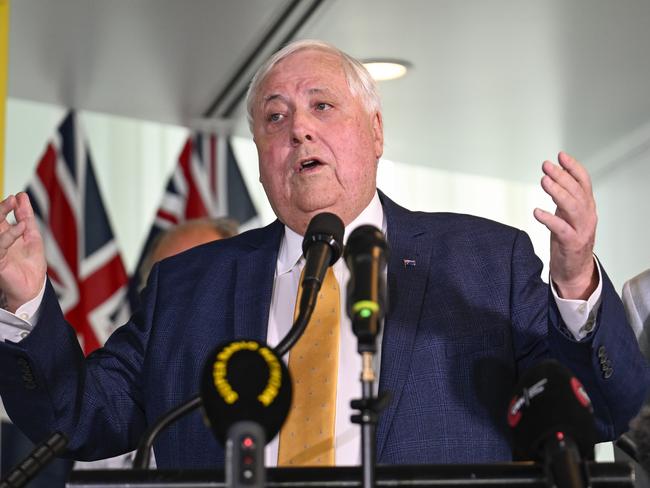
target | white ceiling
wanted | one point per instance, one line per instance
(496, 86)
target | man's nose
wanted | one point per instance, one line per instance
(302, 129)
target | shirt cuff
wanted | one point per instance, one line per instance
(15, 327)
(579, 316)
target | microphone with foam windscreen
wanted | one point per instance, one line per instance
(246, 395)
(551, 418)
(322, 246)
(245, 380)
(366, 253)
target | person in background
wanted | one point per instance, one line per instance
(636, 298)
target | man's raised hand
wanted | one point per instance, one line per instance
(22, 256)
(573, 227)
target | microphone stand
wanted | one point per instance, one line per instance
(34, 463)
(366, 329)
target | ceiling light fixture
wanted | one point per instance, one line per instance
(386, 69)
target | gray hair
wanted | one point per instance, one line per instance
(361, 84)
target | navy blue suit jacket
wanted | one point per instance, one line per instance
(468, 313)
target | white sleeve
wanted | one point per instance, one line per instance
(580, 315)
(15, 327)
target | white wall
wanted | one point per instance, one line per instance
(622, 187)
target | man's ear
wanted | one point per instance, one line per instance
(378, 134)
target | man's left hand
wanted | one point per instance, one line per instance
(573, 227)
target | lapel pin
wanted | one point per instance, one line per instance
(408, 262)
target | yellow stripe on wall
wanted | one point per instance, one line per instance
(4, 69)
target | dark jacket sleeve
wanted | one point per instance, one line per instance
(608, 362)
(47, 385)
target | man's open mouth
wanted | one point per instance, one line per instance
(309, 164)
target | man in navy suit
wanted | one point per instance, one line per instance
(468, 310)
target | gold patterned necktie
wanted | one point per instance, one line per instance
(307, 436)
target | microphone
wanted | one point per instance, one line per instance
(245, 380)
(365, 255)
(322, 247)
(551, 418)
(246, 395)
(40, 456)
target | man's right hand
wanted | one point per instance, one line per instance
(22, 256)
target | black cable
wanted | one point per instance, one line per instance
(143, 453)
(299, 326)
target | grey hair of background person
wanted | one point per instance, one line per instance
(359, 80)
(636, 299)
(224, 226)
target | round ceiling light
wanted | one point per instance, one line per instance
(386, 69)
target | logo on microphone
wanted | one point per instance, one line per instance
(518, 402)
(580, 392)
(220, 372)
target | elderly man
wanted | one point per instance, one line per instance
(468, 313)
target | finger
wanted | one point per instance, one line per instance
(575, 169)
(6, 207)
(576, 204)
(23, 210)
(9, 236)
(563, 178)
(566, 203)
(558, 226)
(25, 213)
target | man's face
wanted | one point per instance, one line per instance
(318, 147)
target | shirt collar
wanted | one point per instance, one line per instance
(290, 251)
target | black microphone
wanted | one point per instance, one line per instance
(551, 418)
(246, 395)
(40, 457)
(366, 253)
(245, 380)
(322, 247)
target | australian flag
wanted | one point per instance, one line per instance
(84, 263)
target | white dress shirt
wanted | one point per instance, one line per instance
(578, 315)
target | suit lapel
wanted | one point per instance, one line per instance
(408, 268)
(254, 286)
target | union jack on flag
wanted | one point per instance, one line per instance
(192, 190)
(201, 186)
(84, 264)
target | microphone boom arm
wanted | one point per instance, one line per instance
(143, 453)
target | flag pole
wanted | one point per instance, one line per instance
(4, 70)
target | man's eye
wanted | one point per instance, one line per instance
(275, 117)
(323, 106)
